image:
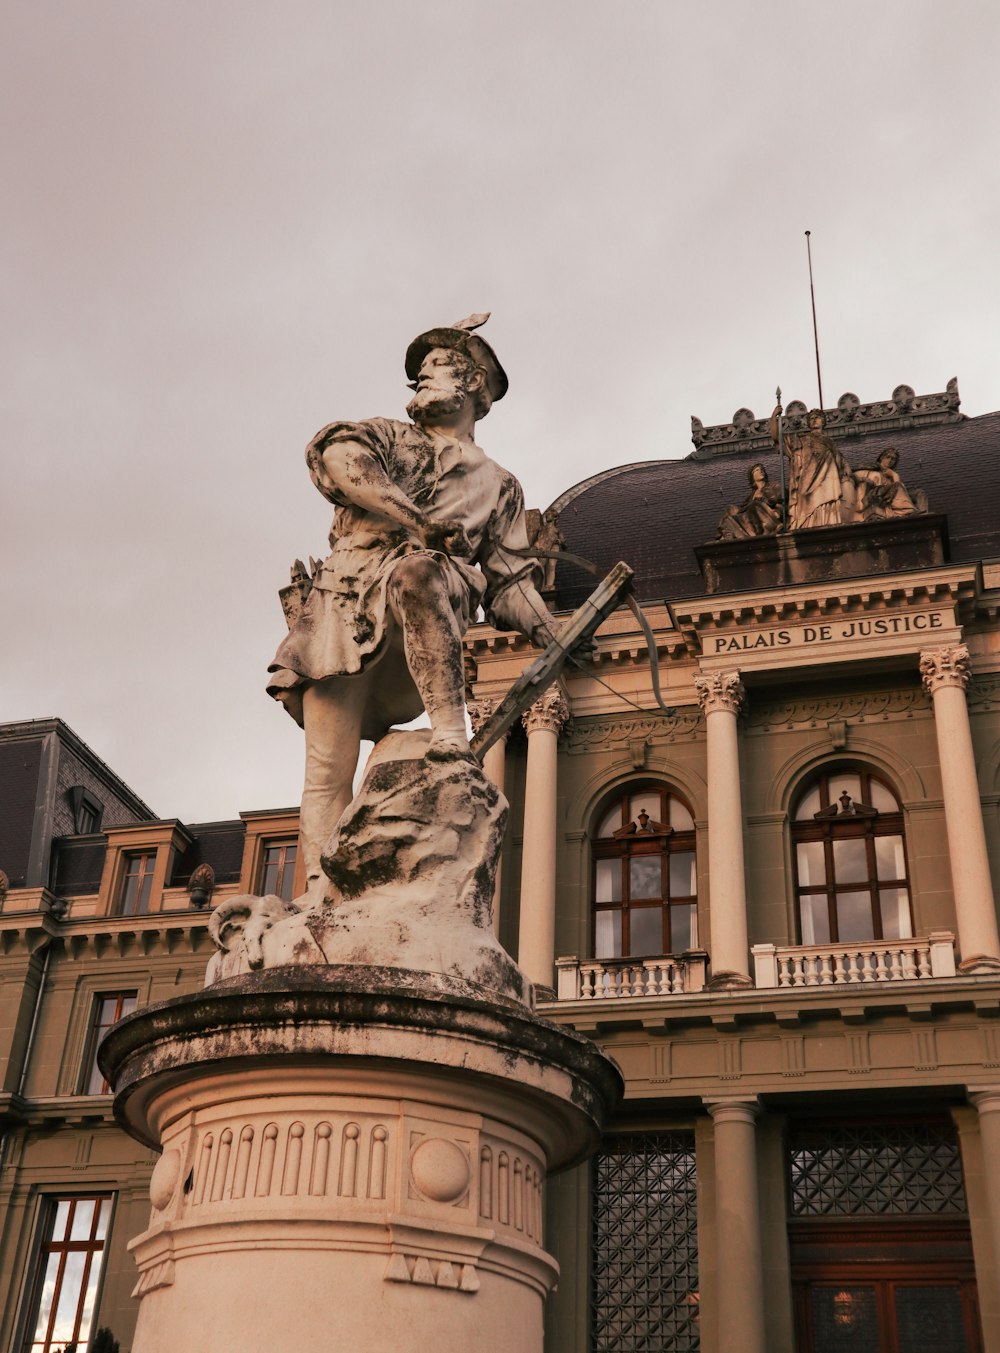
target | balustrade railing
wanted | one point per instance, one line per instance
(592, 980)
(877, 961)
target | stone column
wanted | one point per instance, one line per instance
(737, 1224)
(945, 672)
(536, 938)
(721, 696)
(495, 765)
(987, 1102)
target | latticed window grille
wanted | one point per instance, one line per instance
(645, 1246)
(876, 1170)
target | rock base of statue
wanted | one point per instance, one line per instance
(351, 1157)
(850, 551)
(410, 865)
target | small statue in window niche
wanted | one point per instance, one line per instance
(846, 807)
(758, 515)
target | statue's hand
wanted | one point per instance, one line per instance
(546, 632)
(449, 537)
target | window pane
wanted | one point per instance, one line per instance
(61, 1222)
(83, 1219)
(608, 934)
(815, 919)
(854, 917)
(102, 1225)
(682, 874)
(611, 821)
(287, 880)
(48, 1292)
(846, 780)
(650, 801)
(850, 861)
(69, 1295)
(644, 878)
(882, 799)
(645, 925)
(895, 904)
(808, 805)
(812, 866)
(608, 881)
(90, 1300)
(930, 1319)
(683, 928)
(680, 819)
(272, 858)
(845, 1319)
(889, 860)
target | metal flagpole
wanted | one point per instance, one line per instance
(781, 462)
(812, 297)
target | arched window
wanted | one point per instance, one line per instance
(851, 879)
(644, 880)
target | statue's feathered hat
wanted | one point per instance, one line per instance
(460, 336)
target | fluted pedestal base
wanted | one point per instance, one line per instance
(351, 1158)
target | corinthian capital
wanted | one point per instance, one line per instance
(945, 667)
(479, 711)
(550, 711)
(720, 690)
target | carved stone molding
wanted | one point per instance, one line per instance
(480, 710)
(856, 707)
(720, 690)
(550, 712)
(201, 885)
(941, 667)
(905, 409)
(598, 733)
(4, 887)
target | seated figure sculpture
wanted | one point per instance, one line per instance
(881, 493)
(757, 515)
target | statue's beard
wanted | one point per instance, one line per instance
(430, 404)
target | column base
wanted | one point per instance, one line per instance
(729, 981)
(352, 1150)
(979, 963)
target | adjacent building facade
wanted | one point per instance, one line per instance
(769, 893)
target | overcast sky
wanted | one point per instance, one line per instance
(223, 220)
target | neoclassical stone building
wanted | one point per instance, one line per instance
(770, 897)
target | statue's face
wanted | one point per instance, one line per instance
(817, 422)
(759, 475)
(442, 386)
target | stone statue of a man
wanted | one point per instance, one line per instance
(425, 531)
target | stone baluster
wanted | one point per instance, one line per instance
(945, 673)
(737, 1226)
(544, 721)
(495, 765)
(721, 695)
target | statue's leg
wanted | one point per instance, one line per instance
(418, 598)
(331, 715)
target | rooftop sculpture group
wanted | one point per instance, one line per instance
(823, 490)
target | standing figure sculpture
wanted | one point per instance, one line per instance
(426, 529)
(820, 482)
(757, 515)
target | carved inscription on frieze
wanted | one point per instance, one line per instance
(843, 629)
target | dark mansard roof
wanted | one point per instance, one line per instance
(653, 514)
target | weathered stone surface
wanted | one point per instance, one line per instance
(848, 551)
(347, 1129)
(410, 866)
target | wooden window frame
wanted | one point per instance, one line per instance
(44, 1246)
(144, 887)
(96, 1031)
(644, 844)
(843, 828)
(285, 866)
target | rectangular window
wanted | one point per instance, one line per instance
(109, 1008)
(278, 869)
(67, 1274)
(137, 884)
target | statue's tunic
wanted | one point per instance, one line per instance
(821, 486)
(345, 626)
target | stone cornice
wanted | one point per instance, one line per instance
(158, 933)
(848, 418)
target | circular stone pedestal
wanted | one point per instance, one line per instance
(352, 1158)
